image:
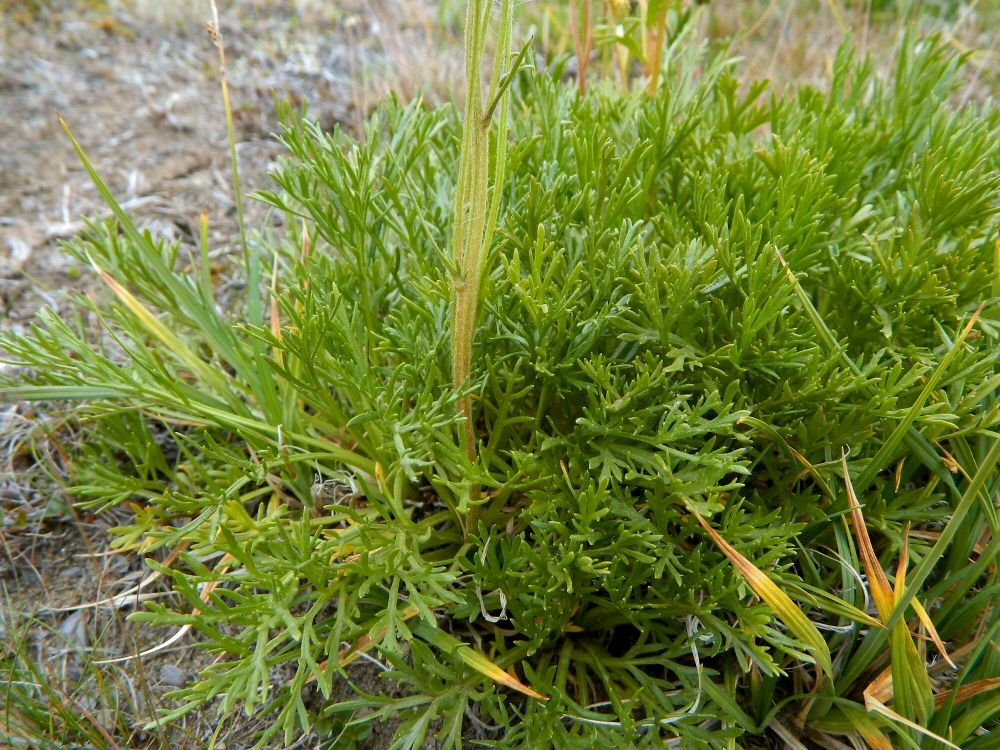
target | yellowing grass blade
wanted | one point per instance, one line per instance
(786, 610)
(876, 706)
(925, 619)
(877, 741)
(277, 352)
(171, 341)
(349, 654)
(911, 686)
(487, 668)
(473, 658)
(966, 692)
(869, 730)
(880, 688)
(878, 581)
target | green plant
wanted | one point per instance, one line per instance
(476, 211)
(731, 353)
(624, 30)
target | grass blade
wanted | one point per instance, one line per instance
(786, 610)
(473, 659)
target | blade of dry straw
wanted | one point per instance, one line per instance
(473, 659)
(786, 610)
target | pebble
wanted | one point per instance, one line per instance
(172, 676)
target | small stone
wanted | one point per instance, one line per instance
(17, 253)
(172, 676)
(74, 629)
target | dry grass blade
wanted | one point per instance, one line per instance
(786, 610)
(881, 589)
(474, 659)
(874, 705)
(967, 692)
(787, 736)
(925, 618)
(206, 592)
(826, 741)
(133, 595)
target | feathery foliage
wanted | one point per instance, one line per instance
(734, 379)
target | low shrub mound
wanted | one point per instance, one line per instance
(734, 410)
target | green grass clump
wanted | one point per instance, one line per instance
(733, 398)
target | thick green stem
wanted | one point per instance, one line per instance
(475, 212)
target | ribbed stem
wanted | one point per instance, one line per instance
(475, 213)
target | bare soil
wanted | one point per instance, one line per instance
(140, 92)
